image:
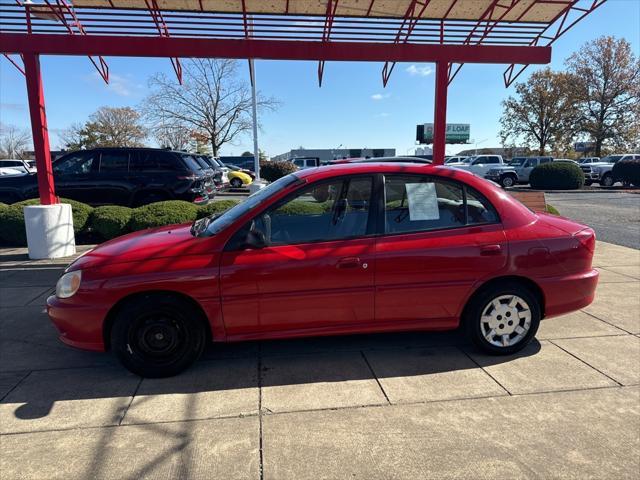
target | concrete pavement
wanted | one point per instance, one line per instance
(417, 405)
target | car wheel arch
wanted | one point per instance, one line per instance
(506, 280)
(107, 325)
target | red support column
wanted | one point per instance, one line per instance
(39, 129)
(440, 112)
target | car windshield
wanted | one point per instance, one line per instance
(232, 167)
(611, 158)
(217, 224)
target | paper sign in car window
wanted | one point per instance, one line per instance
(423, 201)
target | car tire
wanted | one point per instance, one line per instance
(503, 318)
(236, 183)
(507, 181)
(158, 335)
(607, 181)
(147, 198)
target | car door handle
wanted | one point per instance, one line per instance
(490, 250)
(348, 262)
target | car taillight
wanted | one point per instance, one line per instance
(199, 200)
(587, 239)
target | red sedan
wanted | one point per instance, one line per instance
(353, 248)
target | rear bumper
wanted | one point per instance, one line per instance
(79, 326)
(569, 293)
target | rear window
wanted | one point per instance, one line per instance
(192, 163)
(114, 162)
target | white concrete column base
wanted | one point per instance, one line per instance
(49, 231)
(255, 186)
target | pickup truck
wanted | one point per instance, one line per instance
(601, 172)
(479, 164)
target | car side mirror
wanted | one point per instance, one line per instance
(255, 240)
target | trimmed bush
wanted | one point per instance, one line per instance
(272, 171)
(110, 221)
(627, 171)
(79, 210)
(556, 176)
(301, 207)
(552, 210)
(214, 208)
(3, 205)
(164, 213)
(12, 229)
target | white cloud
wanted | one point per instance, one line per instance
(380, 96)
(421, 70)
(122, 86)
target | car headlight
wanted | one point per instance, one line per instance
(68, 284)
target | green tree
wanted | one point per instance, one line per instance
(605, 88)
(540, 115)
(107, 127)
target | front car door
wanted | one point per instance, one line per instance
(440, 238)
(75, 175)
(315, 272)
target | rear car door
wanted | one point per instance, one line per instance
(316, 271)
(440, 237)
(112, 183)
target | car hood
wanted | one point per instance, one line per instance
(169, 241)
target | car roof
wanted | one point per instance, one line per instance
(360, 168)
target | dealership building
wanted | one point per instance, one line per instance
(327, 154)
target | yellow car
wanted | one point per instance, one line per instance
(239, 179)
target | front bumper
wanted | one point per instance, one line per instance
(79, 325)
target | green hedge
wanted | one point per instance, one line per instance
(164, 213)
(552, 210)
(627, 171)
(272, 171)
(110, 221)
(13, 231)
(79, 210)
(214, 208)
(556, 176)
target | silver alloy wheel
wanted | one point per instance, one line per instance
(505, 320)
(507, 181)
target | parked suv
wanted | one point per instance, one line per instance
(480, 164)
(120, 176)
(20, 166)
(601, 172)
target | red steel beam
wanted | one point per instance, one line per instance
(59, 12)
(39, 129)
(440, 113)
(510, 75)
(14, 63)
(163, 30)
(162, 47)
(332, 6)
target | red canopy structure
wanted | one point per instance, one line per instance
(448, 33)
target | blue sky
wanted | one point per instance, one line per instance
(352, 108)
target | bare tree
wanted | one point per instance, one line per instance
(174, 136)
(541, 114)
(212, 102)
(605, 78)
(73, 137)
(13, 141)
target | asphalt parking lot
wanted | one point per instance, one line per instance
(615, 216)
(418, 405)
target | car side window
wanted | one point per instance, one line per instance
(114, 162)
(77, 163)
(154, 161)
(479, 210)
(323, 212)
(417, 203)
